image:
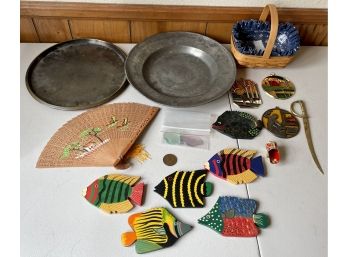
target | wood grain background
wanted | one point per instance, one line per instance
(57, 22)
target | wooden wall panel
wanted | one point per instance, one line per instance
(221, 32)
(166, 12)
(142, 29)
(108, 30)
(313, 34)
(126, 23)
(52, 29)
(27, 30)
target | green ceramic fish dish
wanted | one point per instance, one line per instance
(239, 125)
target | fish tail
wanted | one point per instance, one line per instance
(128, 238)
(261, 220)
(137, 194)
(208, 188)
(257, 166)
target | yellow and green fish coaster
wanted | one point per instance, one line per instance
(115, 193)
(185, 189)
(153, 230)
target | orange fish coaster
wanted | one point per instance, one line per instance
(115, 193)
(153, 230)
(235, 217)
(237, 166)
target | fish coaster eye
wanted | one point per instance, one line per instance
(281, 123)
(278, 87)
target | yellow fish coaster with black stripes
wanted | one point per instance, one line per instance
(185, 189)
(153, 230)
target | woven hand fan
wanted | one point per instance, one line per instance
(98, 137)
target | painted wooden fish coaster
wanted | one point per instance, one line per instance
(239, 125)
(235, 217)
(281, 123)
(115, 193)
(278, 87)
(153, 230)
(185, 189)
(237, 166)
(273, 152)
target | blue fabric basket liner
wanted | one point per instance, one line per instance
(251, 37)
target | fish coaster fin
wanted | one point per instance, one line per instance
(242, 178)
(130, 180)
(229, 151)
(257, 166)
(128, 238)
(248, 153)
(143, 246)
(261, 220)
(137, 194)
(208, 188)
(121, 207)
(240, 152)
(131, 219)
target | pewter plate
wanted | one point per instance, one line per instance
(180, 69)
(77, 74)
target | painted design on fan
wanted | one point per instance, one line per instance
(90, 147)
(114, 121)
(91, 139)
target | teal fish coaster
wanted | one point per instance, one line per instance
(235, 217)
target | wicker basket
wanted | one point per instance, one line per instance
(267, 61)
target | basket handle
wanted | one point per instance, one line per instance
(270, 8)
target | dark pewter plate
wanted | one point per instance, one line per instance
(181, 69)
(77, 74)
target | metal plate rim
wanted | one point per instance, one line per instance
(65, 43)
(131, 81)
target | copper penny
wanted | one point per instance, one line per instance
(170, 159)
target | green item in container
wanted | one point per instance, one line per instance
(171, 138)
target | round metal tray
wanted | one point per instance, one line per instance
(180, 69)
(77, 74)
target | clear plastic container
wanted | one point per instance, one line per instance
(186, 128)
